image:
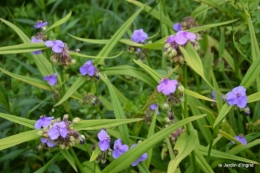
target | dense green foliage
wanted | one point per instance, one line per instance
(101, 29)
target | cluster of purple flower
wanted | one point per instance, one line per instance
(236, 97)
(119, 147)
(139, 36)
(171, 47)
(89, 69)
(57, 133)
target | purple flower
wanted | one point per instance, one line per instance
(241, 139)
(48, 142)
(104, 140)
(43, 122)
(139, 36)
(35, 40)
(57, 45)
(140, 159)
(51, 79)
(237, 97)
(170, 39)
(87, 68)
(182, 37)
(177, 27)
(213, 94)
(167, 86)
(58, 129)
(119, 148)
(40, 24)
(153, 107)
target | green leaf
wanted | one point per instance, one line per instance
(103, 123)
(203, 164)
(18, 120)
(130, 156)
(185, 145)
(72, 89)
(91, 167)
(156, 76)
(94, 57)
(223, 155)
(118, 110)
(69, 158)
(130, 71)
(116, 37)
(251, 74)
(18, 139)
(95, 154)
(196, 95)
(194, 61)
(205, 27)
(223, 112)
(58, 23)
(253, 97)
(46, 165)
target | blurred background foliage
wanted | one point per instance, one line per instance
(99, 19)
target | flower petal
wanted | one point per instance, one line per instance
(53, 133)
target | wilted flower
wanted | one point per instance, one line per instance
(241, 139)
(140, 159)
(43, 122)
(182, 37)
(104, 140)
(237, 97)
(35, 40)
(58, 129)
(167, 86)
(177, 27)
(48, 142)
(119, 148)
(57, 45)
(40, 24)
(139, 36)
(51, 79)
(88, 68)
(153, 107)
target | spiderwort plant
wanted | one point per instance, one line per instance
(237, 97)
(51, 79)
(119, 148)
(143, 157)
(40, 24)
(57, 133)
(35, 40)
(241, 139)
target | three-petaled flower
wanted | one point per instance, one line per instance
(119, 148)
(140, 159)
(56, 45)
(88, 68)
(139, 36)
(167, 86)
(237, 97)
(182, 37)
(104, 140)
(40, 24)
(43, 122)
(51, 79)
(58, 129)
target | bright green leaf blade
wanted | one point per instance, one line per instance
(69, 158)
(18, 120)
(196, 95)
(223, 155)
(116, 37)
(156, 76)
(203, 164)
(46, 165)
(94, 57)
(130, 71)
(130, 156)
(253, 97)
(103, 123)
(251, 74)
(118, 110)
(61, 21)
(95, 154)
(72, 89)
(223, 112)
(18, 139)
(185, 145)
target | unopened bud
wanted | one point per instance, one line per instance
(165, 106)
(76, 120)
(62, 146)
(167, 45)
(180, 88)
(66, 116)
(40, 133)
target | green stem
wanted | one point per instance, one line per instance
(77, 160)
(185, 109)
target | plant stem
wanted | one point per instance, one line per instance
(77, 160)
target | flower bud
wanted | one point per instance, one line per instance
(165, 54)
(169, 49)
(66, 116)
(165, 106)
(40, 133)
(62, 146)
(167, 45)
(76, 120)
(180, 88)
(174, 52)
